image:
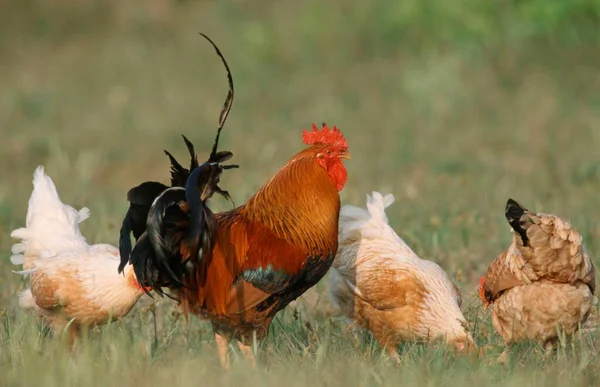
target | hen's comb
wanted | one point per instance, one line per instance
(325, 136)
(480, 288)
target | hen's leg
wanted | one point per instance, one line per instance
(392, 352)
(549, 348)
(223, 348)
(387, 339)
(63, 330)
(73, 334)
(503, 358)
(248, 354)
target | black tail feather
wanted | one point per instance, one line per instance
(125, 241)
(226, 105)
(199, 188)
(145, 193)
(141, 260)
(193, 156)
(513, 213)
(179, 173)
(167, 259)
(140, 199)
(146, 270)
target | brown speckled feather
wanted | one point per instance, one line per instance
(380, 284)
(544, 281)
(553, 251)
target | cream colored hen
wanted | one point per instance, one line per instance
(544, 281)
(72, 284)
(379, 283)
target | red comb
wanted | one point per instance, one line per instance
(481, 281)
(481, 290)
(325, 136)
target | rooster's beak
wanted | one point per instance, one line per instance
(345, 155)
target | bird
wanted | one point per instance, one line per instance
(544, 282)
(380, 284)
(72, 284)
(238, 268)
(265, 253)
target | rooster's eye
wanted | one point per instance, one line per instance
(328, 151)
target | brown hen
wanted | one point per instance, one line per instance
(544, 282)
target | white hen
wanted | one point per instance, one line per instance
(381, 284)
(71, 281)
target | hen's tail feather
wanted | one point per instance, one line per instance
(513, 213)
(51, 225)
(18, 254)
(377, 203)
(354, 220)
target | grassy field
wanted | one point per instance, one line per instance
(453, 107)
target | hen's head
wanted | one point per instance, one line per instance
(437, 308)
(464, 344)
(330, 147)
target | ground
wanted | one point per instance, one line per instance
(451, 108)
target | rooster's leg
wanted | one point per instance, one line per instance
(223, 347)
(248, 354)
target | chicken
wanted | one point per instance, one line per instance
(544, 281)
(265, 253)
(72, 284)
(240, 267)
(380, 284)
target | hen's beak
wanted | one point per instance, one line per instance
(465, 346)
(345, 155)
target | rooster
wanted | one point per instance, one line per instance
(240, 267)
(544, 281)
(264, 254)
(72, 284)
(379, 283)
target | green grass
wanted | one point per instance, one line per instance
(451, 107)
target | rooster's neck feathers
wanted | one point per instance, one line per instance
(296, 204)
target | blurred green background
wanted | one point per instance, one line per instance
(451, 106)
